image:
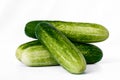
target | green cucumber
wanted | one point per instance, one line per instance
(23, 47)
(75, 31)
(33, 53)
(61, 48)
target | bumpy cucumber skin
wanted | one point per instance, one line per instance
(63, 51)
(33, 53)
(75, 31)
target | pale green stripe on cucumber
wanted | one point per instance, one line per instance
(33, 53)
(61, 48)
(75, 31)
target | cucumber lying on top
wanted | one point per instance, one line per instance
(75, 31)
(61, 48)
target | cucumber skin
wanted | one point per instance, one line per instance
(37, 54)
(75, 31)
(61, 48)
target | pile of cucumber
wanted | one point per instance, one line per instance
(62, 43)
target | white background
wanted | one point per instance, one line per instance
(14, 14)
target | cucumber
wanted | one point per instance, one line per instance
(75, 31)
(91, 52)
(33, 54)
(61, 48)
(23, 47)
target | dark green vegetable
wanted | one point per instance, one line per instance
(37, 55)
(75, 31)
(91, 52)
(61, 48)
